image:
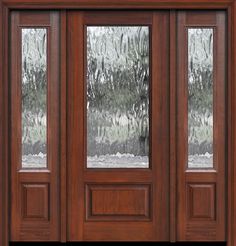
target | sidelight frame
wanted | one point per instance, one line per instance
(7, 5)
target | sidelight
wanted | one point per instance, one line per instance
(118, 96)
(200, 97)
(34, 97)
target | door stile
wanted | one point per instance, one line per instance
(63, 125)
(231, 208)
(173, 115)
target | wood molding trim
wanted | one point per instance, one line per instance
(122, 4)
(7, 5)
(4, 136)
(232, 127)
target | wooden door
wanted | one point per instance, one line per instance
(35, 126)
(118, 125)
(201, 125)
(115, 192)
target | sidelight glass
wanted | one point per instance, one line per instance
(200, 97)
(118, 96)
(34, 97)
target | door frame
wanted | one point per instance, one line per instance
(7, 5)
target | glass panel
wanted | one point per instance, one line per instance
(118, 97)
(200, 97)
(34, 97)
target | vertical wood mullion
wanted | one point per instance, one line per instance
(75, 150)
(4, 136)
(63, 120)
(173, 78)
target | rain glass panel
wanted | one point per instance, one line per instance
(118, 97)
(34, 97)
(200, 97)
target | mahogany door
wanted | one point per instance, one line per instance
(201, 125)
(35, 128)
(118, 125)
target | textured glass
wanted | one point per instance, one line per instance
(34, 97)
(200, 98)
(118, 97)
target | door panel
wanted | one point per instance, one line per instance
(119, 203)
(201, 125)
(34, 126)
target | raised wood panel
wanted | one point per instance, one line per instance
(118, 202)
(201, 201)
(35, 201)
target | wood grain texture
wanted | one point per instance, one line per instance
(128, 4)
(63, 126)
(35, 201)
(232, 129)
(106, 202)
(75, 158)
(36, 229)
(204, 230)
(173, 125)
(61, 4)
(157, 175)
(201, 201)
(4, 123)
